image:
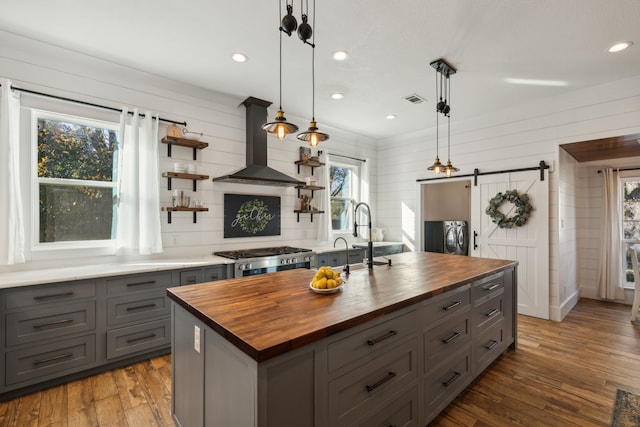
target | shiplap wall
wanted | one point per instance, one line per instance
(566, 238)
(39, 66)
(513, 138)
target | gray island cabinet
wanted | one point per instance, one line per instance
(393, 347)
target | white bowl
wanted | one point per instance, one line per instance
(326, 291)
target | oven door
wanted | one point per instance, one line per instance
(255, 266)
(272, 269)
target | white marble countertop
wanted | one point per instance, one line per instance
(63, 274)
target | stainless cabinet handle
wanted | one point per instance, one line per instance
(55, 322)
(148, 282)
(493, 312)
(62, 294)
(450, 306)
(146, 337)
(451, 380)
(381, 381)
(491, 344)
(52, 359)
(381, 338)
(451, 338)
(140, 307)
(191, 280)
(491, 287)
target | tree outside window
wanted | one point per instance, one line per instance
(76, 178)
(342, 186)
(630, 220)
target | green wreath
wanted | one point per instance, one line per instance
(523, 209)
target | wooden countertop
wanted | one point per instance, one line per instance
(269, 314)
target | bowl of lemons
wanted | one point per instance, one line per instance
(326, 281)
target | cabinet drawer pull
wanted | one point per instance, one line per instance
(148, 282)
(491, 287)
(62, 294)
(451, 338)
(52, 359)
(451, 380)
(146, 337)
(191, 281)
(493, 312)
(452, 305)
(381, 338)
(381, 381)
(491, 344)
(140, 307)
(55, 322)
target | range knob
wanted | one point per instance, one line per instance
(248, 267)
(283, 261)
(294, 260)
(241, 267)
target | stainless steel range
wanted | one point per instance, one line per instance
(268, 260)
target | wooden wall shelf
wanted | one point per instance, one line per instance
(307, 211)
(184, 142)
(311, 163)
(181, 175)
(195, 211)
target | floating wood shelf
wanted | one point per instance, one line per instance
(195, 211)
(184, 142)
(307, 211)
(311, 163)
(308, 187)
(181, 175)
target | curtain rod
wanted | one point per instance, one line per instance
(476, 173)
(90, 104)
(623, 169)
(346, 157)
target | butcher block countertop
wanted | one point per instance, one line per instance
(270, 314)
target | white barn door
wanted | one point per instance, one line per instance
(527, 244)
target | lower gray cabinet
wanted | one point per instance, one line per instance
(134, 339)
(338, 258)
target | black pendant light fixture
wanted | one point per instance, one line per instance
(443, 93)
(280, 127)
(313, 136)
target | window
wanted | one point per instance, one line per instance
(344, 184)
(75, 180)
(630, 221)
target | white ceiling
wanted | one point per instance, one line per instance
(391, 44)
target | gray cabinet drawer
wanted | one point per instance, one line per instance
(50, 322)
(53, 360)
(134, 339)
(52, 293)
(443, 340)
(446, 305)
(364, 389)
(356, 256)
(402, 412)
(191, 277)
(487, 313)
(139, 307)
(488, 346)
(139, 283)
(447, 380)
(218, 272)
(366, 343)
(487, 288)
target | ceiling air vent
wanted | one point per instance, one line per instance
(415, 99)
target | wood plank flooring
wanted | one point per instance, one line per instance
(563, 374)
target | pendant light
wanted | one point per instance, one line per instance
(312, 135)
(443, 71)
(280, 127)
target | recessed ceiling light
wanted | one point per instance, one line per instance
(391, 116)
(337, 95)
(340, 55)
(239, 57)
(620, 46)
(534, 82)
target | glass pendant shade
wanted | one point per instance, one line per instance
(280, 127)
(436, 166)
(449, 169)
(312, 136)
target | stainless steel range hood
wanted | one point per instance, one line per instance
(257, 171)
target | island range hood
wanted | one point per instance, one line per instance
(257, 172)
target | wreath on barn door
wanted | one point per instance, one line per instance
(523, 209)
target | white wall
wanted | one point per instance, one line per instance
(38, 66)
(568, 191)
(517, 137)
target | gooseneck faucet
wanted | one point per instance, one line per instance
(355, 232)
(346, 244)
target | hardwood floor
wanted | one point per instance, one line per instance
(562, 374)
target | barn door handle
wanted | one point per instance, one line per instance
(475, 243)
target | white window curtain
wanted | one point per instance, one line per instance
(138, 230)
(11, 214)
(611, 254)
(325, 232)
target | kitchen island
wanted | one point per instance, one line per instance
(394, 345)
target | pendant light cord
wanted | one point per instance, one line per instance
(280, 33)
(313, 63)
(437, 121)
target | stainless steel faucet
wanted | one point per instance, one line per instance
(355, 231)
(346, 244)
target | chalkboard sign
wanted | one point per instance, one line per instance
(247, 216)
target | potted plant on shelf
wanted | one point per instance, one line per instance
(305, 202)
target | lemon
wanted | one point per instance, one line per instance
(331, 284)
(320, 274)
(338, 281)
(329, 273)
(322, 283)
